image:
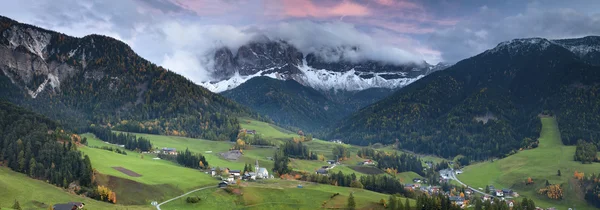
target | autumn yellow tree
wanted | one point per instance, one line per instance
(552, 191)
(462, 195)
(579, 175)
(529, 181)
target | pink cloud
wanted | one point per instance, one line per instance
(306, 8)
(399, 4)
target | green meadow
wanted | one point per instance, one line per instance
(540, 164)
(37, 194)
(282, 194)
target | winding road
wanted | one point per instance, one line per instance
(175, 198)
(453, 177)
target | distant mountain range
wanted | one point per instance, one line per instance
(100, 80)
(280, 60)
(488, 105)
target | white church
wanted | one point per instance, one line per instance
(259, 173)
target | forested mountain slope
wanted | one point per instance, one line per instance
(99, 80)
(298, 107)
(34, 145)
(487, 105)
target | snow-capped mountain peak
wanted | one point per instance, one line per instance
(280, 60)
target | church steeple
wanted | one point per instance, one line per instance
(256, 166)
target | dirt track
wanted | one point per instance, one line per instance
(127, 171)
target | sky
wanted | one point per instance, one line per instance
(181, 35)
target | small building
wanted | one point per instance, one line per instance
(416, 180)
(507, 191)
(486, 197)
(222, 184)
(169, 151)
(368, 162)
(261, 173)
(230, 179)
(499, 193)
(321, 171)
(235, 173)
(457, 200)
(409, 186)
(251, 132)
(69, 206)
(332, 162)
(249, 176)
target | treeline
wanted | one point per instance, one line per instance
(130, 141)
(112, 149)
(340, 152)
(525, 204)
(298, 150)
(337, 179)
(366, 152)
(401, 163)
(253, 139)
(377, 183)
(382, 184)
(34, 145)
(586, 152)
(192, 160)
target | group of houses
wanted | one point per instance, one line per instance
(324, 169)
(166, 151)
(229, 176)
(367, 162)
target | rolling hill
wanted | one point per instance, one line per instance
(100, 80)
(487, 105)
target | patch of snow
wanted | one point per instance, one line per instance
(237, 80)
(323, 79)
(582, 50)
(517, 45)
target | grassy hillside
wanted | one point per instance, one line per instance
(540, 164)
(159, 180)
(36, 194)
(282, 194)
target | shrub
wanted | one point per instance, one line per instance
(193, 199)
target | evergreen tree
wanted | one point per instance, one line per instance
(478, 204)
(487, 189)
(558, 172)
(392, 202)
(16, 205)
(400, 206)
(351, 202)
(406, 205)
(32, 165)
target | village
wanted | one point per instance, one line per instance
(229, 176)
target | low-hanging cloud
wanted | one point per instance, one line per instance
(193, 45)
